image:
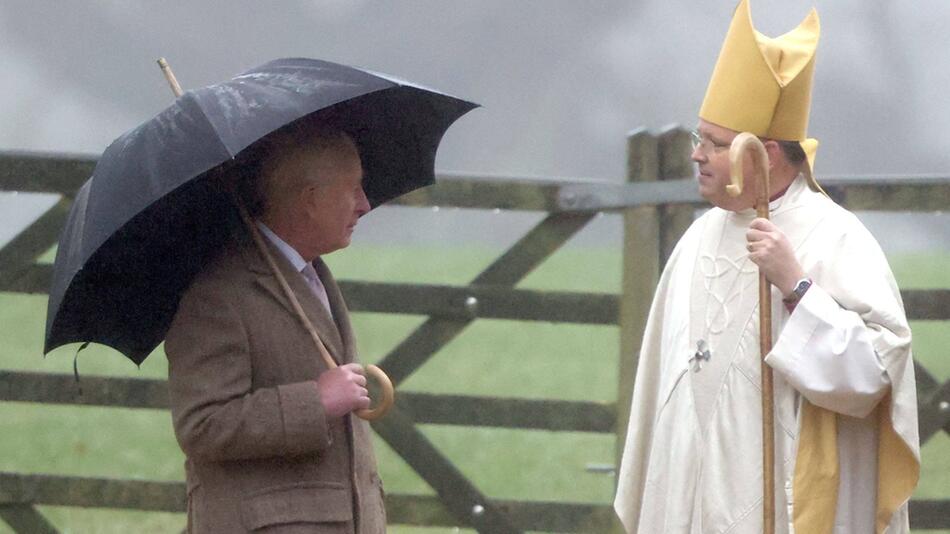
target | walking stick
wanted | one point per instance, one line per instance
(385, 385)
(740, 145)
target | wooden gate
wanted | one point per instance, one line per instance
(657, 203)
(450, 310)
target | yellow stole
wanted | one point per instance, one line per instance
(815, 483)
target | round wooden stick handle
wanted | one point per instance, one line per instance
(385, 384)
(385, 389)
(740, 145)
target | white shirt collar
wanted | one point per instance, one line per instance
(288, 251)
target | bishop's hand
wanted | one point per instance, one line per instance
(770, 249)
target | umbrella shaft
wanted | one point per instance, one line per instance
(170, 76)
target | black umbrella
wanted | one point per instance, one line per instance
(151, 215)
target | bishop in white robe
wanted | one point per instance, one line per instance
(692, 461)
(846, 445)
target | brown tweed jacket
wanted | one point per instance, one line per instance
(261, 454)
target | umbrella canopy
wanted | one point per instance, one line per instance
(151, 215)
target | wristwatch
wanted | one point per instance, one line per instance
(800, 288)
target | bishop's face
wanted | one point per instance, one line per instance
(711, 156)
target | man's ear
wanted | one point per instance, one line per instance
(300, 203)
(774, 151)
(310, 194)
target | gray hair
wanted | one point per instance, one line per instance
(256, 169)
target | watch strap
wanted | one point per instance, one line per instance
(800, 288)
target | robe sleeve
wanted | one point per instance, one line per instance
(848, 330)
(217, 415)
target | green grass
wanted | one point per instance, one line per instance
(499, 358)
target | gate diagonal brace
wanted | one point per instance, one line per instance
(523, 257)
(399, 430)
(458, 495)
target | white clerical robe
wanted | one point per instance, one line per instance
(692, 460)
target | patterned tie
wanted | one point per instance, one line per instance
(310, 275)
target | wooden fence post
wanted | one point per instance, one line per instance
(641, 269)
(674, 149)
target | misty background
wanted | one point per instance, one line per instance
(561, 83)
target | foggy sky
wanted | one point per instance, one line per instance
(561, 82)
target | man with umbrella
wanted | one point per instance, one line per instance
(205, 227)
(253, 406)
(846, 445)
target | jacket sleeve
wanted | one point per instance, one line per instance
(848, 331)
(217, 414)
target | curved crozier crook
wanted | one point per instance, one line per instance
(744, 142)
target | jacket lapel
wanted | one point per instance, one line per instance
(315, 311)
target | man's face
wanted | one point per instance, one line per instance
(712, 161)
(334, 200)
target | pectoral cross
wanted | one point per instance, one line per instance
(702, 354)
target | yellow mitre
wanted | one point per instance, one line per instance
(763, 85)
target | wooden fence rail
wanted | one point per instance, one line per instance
(657, 202)
(425, 408)
(20, 492)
